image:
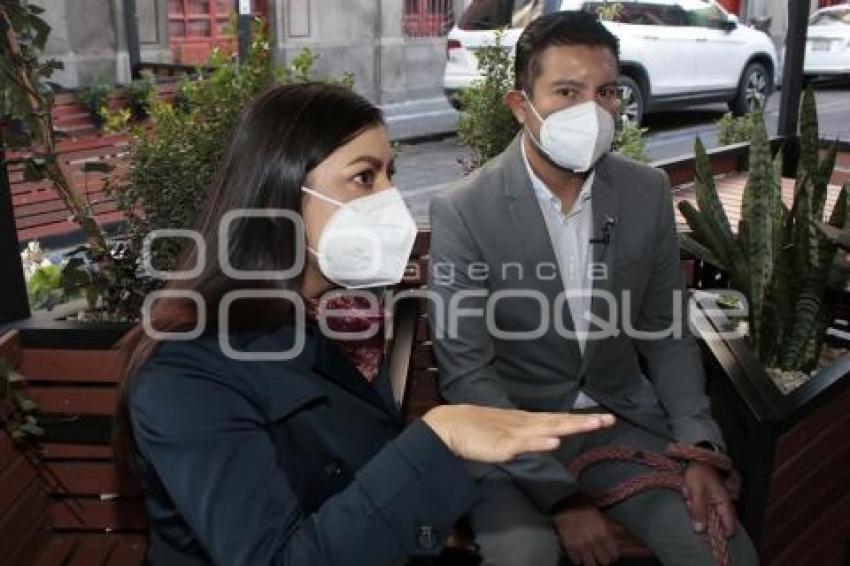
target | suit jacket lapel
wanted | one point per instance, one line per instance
(604, 206)
(534, 237)
(331, 363)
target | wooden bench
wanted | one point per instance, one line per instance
(66, 505)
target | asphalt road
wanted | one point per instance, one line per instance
(424, 168)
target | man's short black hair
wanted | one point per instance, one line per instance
(559, 28)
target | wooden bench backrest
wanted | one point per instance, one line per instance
(24, 524)
(76, 389)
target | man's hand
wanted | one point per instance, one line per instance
(704, 489)
(585, 534)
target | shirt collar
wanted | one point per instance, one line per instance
(545, 194)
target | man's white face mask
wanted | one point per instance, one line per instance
(367, 241)
(575, 138)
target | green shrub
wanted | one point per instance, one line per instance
(629, 140)
(141, 93)
(732, 130)
(487, 125)
(44, 287)
(173, 160)
(95, 99)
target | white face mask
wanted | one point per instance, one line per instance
(576, 137)
(367, 241)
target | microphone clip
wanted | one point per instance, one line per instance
(607, 228)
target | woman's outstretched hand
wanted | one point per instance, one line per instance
(485, 434)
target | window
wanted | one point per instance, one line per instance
(830, 17)
(704, 14)
(427, 18)
(496, 14)
(643, 14)
(197, 26)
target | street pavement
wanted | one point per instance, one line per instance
(424, 168)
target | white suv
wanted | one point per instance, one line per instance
(673, 53)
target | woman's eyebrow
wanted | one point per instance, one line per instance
(370, 159)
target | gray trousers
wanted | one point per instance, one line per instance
(513, 532)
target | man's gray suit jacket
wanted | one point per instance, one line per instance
(500, 322)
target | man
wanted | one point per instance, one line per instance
(516, 248)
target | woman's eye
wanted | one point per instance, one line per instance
(566, 92)
(364, 178)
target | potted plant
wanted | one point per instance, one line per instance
(780, 389)
(95, 99)
(140, 93)
(791, 275)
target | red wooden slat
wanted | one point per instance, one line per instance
(14, 481)
(53, 451)
(57, 551)
(7, 450)
(92, 551)
(98, 515)
(814, 495)
(36, 213)
(20, 201)
(92, 478)
(75, 400)
(29, 508)
(66, 227)
(820, 542)
(59, 216)
(796, 439)
(129, 551)
(71, 365)
(30, 545)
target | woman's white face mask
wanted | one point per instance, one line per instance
(367, 241)
(575, 138)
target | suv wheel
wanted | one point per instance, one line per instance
(753, 90)
(631, 100)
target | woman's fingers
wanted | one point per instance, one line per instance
(565, 424)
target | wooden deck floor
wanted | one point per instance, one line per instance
(731, 190)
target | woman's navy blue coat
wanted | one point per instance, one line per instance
(298, 462)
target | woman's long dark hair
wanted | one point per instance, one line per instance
(281, 136)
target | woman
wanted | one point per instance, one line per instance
(301, 460)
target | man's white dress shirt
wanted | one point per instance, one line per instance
(570, 233)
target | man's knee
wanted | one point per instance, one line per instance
(518, 544)
(509, 529)
(660, 519)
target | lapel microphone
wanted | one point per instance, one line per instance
(607, 228)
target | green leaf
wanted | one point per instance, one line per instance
(821, 180)
(31, 429)
(809, 132)
(42, 30)
(693, 247)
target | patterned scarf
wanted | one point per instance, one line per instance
(354, 314)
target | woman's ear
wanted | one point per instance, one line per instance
(516, 101)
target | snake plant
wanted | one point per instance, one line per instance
(785, 266)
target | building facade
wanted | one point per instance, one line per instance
(394, 48)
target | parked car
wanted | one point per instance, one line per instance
(828, 42)
(674, 53)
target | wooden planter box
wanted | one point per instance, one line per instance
(792, 450)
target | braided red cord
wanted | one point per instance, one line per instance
(669, 473)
